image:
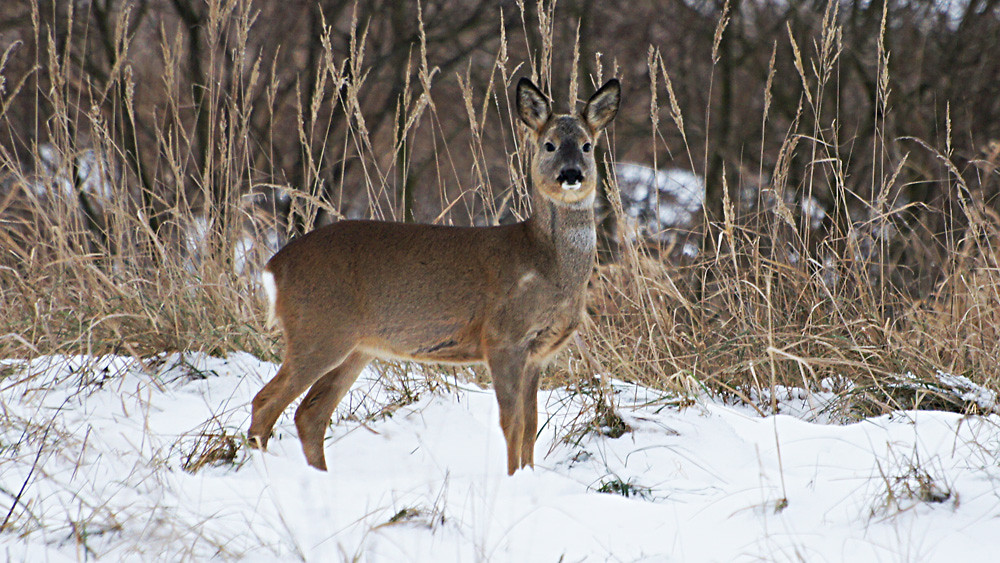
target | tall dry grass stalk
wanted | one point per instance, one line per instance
(104, 250)
(775, 302)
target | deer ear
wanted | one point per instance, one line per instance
(602, 107)
(532, 106)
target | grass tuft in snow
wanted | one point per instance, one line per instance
(626, 488)
(909, 481)
(416, 516)
(212, 449)
(597, 412)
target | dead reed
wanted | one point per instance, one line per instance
(134, 227)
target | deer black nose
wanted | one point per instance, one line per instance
(570, 176)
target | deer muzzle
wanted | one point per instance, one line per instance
(571, 179)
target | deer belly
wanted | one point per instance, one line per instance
(428, 342)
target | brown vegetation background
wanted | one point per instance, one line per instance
(208, 120)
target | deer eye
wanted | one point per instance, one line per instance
(587, 147)
(550, 147)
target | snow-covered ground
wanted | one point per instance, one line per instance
(93, 454)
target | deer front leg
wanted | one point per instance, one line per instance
(529, 398)
(507, 367)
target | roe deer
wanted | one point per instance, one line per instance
(508, 296)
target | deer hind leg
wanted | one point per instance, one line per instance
(529, 399)
(507, 370)
(317, 407)
(297, 373)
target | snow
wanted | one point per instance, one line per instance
(641, 184)
(251, 249)
(92, 175)
(956, 387)
(813, 209)
(417, 473)
(657, 201)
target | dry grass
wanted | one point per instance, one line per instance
(101, 254)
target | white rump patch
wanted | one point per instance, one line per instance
(267, 279)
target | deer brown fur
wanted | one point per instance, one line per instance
(508, 296)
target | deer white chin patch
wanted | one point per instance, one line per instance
(571, 187)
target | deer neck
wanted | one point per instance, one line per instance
(567, 232)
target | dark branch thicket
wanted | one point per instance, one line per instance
(153, 152)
